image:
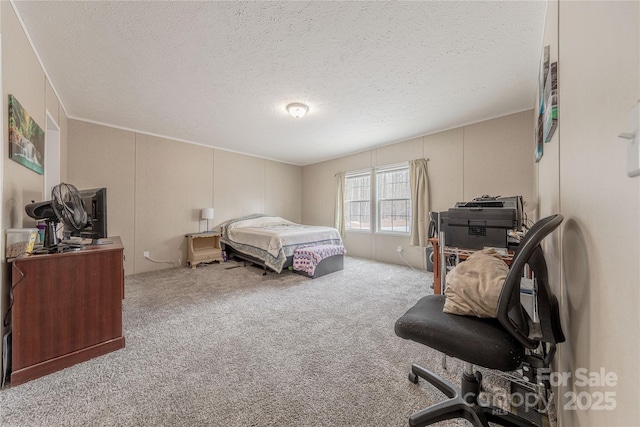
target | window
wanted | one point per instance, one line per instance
(394, 200)
(357, 201)
(391, 199)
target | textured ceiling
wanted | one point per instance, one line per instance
(221, 73)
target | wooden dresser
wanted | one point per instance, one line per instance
(67, 308)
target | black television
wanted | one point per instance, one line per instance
(95, 203)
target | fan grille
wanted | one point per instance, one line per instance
(67, 204)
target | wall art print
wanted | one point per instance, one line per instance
(550, 117)
(26, 138)
(539, 134)
(547, 103)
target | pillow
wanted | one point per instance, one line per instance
(474, 286)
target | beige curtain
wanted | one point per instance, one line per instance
(419, 183)
(339, 207)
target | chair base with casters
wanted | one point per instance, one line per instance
(487, 344)
(463, 402)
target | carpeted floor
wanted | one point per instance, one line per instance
(220, 346)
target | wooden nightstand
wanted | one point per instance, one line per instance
(203, 247)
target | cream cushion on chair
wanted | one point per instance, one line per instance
(473, 286)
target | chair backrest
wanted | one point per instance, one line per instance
(511, 314)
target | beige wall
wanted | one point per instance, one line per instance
(593, 258)
(157, 187)
(492, 157)
(100, 156)
(283, 190)
(598, 84)
(497, 157)
(24, 78)
(173, 182)
(446, 168)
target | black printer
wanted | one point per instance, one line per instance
(482, 222)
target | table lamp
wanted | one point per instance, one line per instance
(207, 213)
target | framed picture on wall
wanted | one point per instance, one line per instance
(539, 148)
(26, 138)
(539, 128)
(542, 78)
(551, 102)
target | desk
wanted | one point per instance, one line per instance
(203, 247)
(461, 254)
(437, 288)
(67, 308)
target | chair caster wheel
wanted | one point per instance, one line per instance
(479, 379)
(413, 378)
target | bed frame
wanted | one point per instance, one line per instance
(324, 267)
(233, 253)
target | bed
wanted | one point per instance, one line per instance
(270, 241)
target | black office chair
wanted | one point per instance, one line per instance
(502, 344)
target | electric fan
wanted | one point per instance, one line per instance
(65, 206)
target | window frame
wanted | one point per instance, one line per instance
(374, 200)
(378, 199)
(357, 174)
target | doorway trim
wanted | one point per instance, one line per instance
(51, 156)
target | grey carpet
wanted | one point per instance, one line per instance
(230, 347)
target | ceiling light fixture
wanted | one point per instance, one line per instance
(297, 110)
